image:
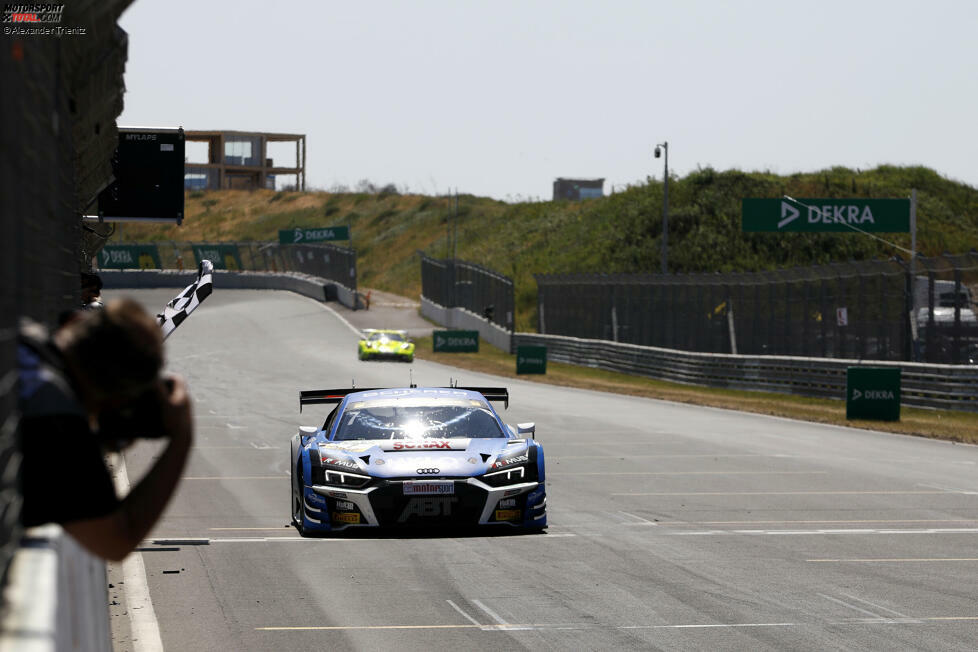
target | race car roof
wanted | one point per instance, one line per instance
(320, 396)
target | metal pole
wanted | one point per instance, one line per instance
(665, 212)
(913, 274)
(455, 228)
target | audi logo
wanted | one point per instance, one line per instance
(428, 471)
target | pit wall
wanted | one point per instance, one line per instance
(310, 286)
(56, 596)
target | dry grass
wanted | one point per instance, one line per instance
(937, 424)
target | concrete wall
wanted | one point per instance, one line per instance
(56, 597)
(463, 319)
(310, 286)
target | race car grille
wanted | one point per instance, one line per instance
(392, 507)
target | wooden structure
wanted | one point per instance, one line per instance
(239, 159)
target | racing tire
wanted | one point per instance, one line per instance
(409, 358)
(298, 505)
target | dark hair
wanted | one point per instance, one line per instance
(89, 279)
(120, 348)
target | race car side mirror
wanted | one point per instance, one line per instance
(529, 428)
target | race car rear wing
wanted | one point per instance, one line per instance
(491, 393)
(321, 396)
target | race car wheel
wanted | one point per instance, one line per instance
(298, 504)
(409, 358)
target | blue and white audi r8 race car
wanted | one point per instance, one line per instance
(415, 456)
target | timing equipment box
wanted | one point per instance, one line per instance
(148, 166)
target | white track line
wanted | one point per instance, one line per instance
(877, 606)
(142, 617)
(464, 615)
(856, 608)
(502, 624)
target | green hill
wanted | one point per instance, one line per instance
(619, 233)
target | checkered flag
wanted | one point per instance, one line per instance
(187, 301)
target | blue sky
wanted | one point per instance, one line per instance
(499, 98)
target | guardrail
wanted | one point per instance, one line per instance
(949, 387)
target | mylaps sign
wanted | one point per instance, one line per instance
(129, 257)
(456, 341)
(323, 234)
(531, 360)
(826, 215)
(873, 393)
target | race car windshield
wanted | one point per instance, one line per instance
(380, 337)
(396, 420)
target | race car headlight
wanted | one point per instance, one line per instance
(328, 469)
(511, 475)
(337, 478)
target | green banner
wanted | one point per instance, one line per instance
(223, 256)
(137, 256)
(319, 234)
(455, 341)
(826, 215)
(873, 393)
(531, 360)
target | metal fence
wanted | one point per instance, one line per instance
(458, 284)
(57, 134)
(326, 261)
(859, 310)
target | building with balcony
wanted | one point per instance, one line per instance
(240, 160)
(578, 189)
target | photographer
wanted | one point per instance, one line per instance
(91, 291)
(93, 386)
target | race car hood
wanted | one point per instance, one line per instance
(400, 458)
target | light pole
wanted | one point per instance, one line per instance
(665, 206)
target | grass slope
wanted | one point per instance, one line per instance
(619, 233)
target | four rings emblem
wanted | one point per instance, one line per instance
(428, 471)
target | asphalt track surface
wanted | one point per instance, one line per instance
(671, 526)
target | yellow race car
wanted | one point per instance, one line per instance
(390, 344)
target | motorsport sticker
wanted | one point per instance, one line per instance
(428, 487)
(340, 517)
(507, 514)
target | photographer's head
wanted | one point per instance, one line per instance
(114, 354)
(91, 291)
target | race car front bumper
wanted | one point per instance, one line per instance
(384, 503)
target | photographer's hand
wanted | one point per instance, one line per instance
(113, 536)
(177, 408)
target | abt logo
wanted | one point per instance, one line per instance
(427, 507)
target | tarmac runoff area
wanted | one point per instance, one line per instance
(672, 526)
